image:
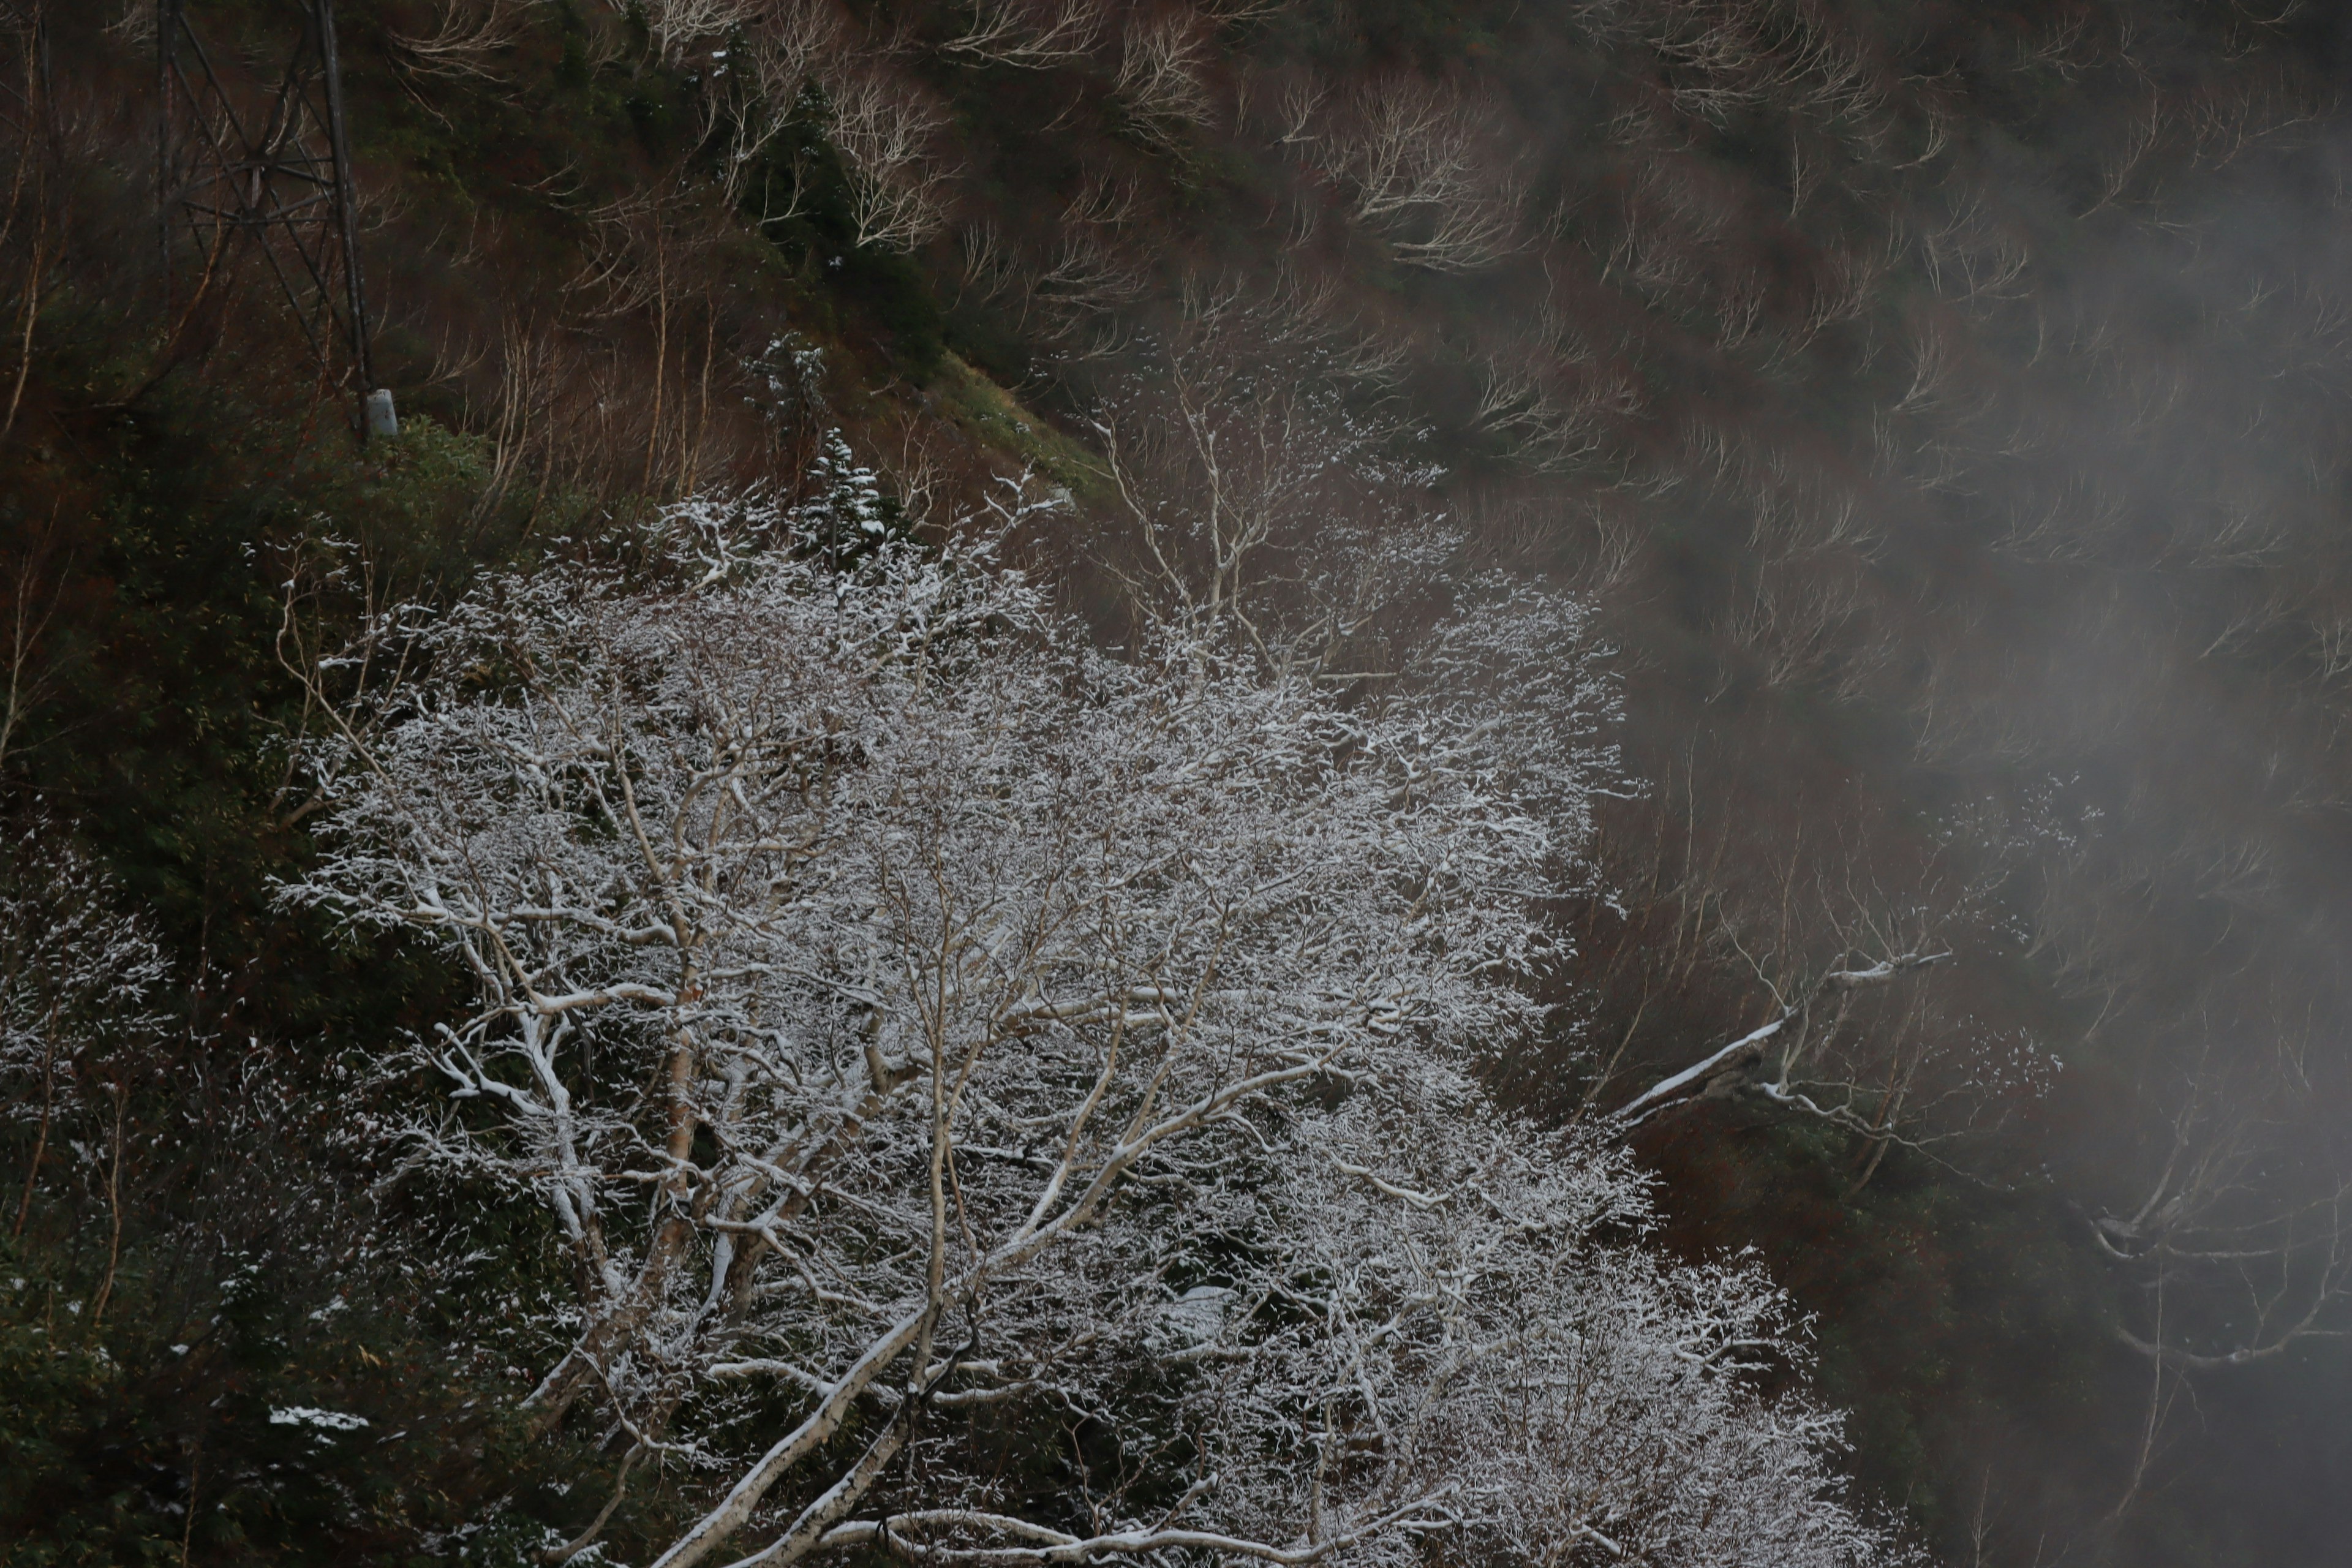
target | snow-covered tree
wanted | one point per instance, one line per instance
(1003, 1104)
(78, 977)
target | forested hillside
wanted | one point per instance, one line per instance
(1278, 781)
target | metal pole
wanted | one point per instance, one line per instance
(344, 217)
(167, 41)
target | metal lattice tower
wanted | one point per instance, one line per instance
(269, 169)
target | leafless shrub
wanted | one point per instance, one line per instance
(1425, 168)
(654, 270)
(1940, 383)
(2118, 164)
(756, 87)
(2250, 618)
(1087, 279)
(795, 42)
(1656, 270)
(985, 261)
(2068, 524)
(1795, 624)
(1237, 13)
(886, 130)
(1032, 35)
(2224, 126)
(136, 26)
(2208, 1231)
(1551, 398)
(1679, 244)
(2331, 646)
(1790, 524)
(1727, 56)
(1078, 284)
(1102, 203)
(34, 570)
(1257, 493)
(1162, 76)
(1973, 261)
(1230, 466)
(471, 35)
(676, 25)
(1866, 1029)
(1847, 292)
(523, 411)
(2063, 49)
(1796, 510)
(1591, 545)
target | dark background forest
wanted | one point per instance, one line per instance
(1944, 404)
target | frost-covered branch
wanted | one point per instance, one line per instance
(1741, 1063)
